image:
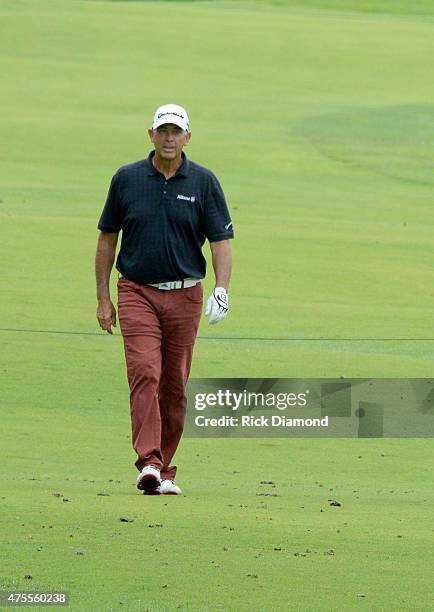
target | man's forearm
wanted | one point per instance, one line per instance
(104, 259)
(222, 262)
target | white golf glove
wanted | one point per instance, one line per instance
(218, 305)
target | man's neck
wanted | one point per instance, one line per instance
(168, 167)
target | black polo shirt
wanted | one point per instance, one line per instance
(164, 223)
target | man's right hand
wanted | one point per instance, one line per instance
(106, 315)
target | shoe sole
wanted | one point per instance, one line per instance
(152, 492)
(148, 483)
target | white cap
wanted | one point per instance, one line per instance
(171, 113)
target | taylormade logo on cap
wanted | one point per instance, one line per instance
(171, 113)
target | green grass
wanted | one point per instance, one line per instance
(224, 545)
(321, 135)
(318, 119)
(388, 7)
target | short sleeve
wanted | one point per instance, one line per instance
(218, 223)
(112, 214)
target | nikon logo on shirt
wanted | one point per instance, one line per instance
(186, 198)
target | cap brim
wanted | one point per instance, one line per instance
(170, 119)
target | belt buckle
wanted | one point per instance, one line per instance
(171, 285)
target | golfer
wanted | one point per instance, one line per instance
(165, 206)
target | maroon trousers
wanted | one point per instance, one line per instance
(159, 330)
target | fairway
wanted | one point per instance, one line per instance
(318, 118)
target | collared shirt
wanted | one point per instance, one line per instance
(164, 222)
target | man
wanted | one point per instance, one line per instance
(165, 206)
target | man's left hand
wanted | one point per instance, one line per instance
(217, 306)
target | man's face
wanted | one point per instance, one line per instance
(169, 140)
